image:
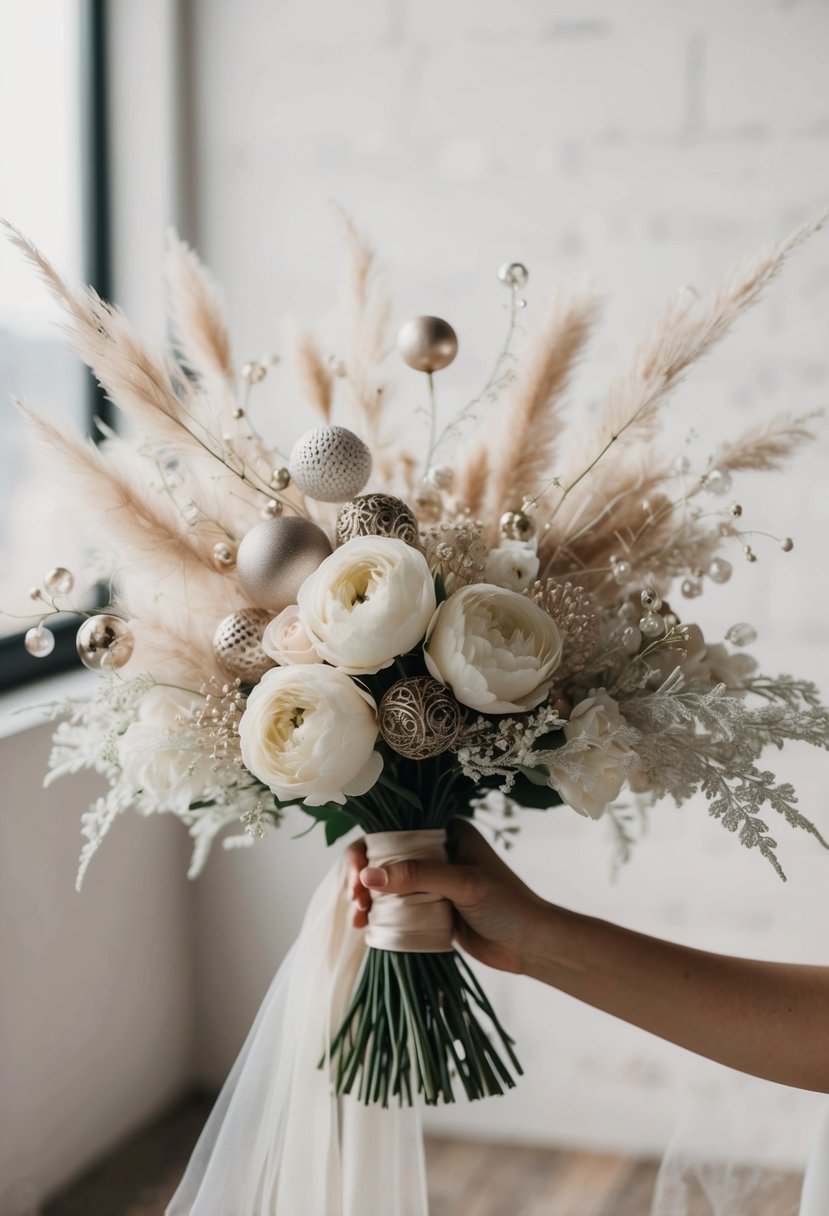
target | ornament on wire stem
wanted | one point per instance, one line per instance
(377, 515)
(419, 718)
(59, 581)
(104, 642)
(427, 344)
(237, 644)
(275, 558)
(39, 641)
(330, 464)
(514, 275)
(516, 525)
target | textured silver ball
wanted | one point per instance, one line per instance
(427, 343)
(104, 642)
(377, 515)
(275, 558)
(330, 464)
(419, 718)
(513, 274)
(237, 643)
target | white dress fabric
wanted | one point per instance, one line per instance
(279, 1142)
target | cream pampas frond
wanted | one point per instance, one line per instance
(369, 308)
(200, 329)
(768, 446)
(532, 421)
(473, 478)
(313, 374)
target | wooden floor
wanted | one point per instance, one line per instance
(466, 1178)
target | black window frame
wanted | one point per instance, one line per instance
(17, 666)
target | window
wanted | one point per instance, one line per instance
(54, 187)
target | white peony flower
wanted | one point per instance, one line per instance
(513, 565)
(286, 641)
(606, 762)
(496, 649)
(308, 733)
(367, 603)
(149, 758)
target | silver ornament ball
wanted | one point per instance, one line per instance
(104, 642)
(513, 274)
(427, 343)
(59, 581)
(516, 525)
(275, 558)
(39, 641)
(237, 644)
(330, 464)
(377, 515)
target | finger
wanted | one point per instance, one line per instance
(464, 886)
(469, 847)
(359, 918)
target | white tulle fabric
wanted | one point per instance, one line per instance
(278, 1141)
(416, 923)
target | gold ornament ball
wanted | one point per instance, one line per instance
(419, 718)
(237, 644)
(59, 581)
(516, 525)
(104, 642)
(280, 479)
(427, 343)
(271, 509)
(377, 515)
(275, 558)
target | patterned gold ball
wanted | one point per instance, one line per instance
(377, 515)
(419, 718)
(275, 558)
(427, 343)
(104, 642)
(237, 643)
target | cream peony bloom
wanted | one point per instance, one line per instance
(513, 565)
(308, 733)
(496, 649)
(605, 763)
(149, 758)
(286, 641)
(367, 603)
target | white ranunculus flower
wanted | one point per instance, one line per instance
(308, 733)
(496, 649)
(605, 763)
(513, 565)
(367, 603)
(150, 761)
(286, 641)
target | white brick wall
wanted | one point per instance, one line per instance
(644, 143)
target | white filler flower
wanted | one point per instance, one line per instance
(154, 754)
(308, 733)
(513, 565)
(367, 603)
(497, 650)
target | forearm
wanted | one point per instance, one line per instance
(768, 1019)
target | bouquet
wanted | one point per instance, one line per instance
(388, 638)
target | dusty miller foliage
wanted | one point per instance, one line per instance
(707, 740)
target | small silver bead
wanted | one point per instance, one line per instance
(691, 588)
(651, 599)
(718, 481)
(742, 634)
(787, 544)
(736, 510)
(254, 372)
(719, 570)
(514, 274)
(280, 479)
(651, 624)
(238, 413)
(271, 509)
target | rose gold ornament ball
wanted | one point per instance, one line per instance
(275, 558)
(427, 343)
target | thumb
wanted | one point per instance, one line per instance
(461, 885)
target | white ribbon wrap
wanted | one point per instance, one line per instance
(418, 923)
(278, 1141)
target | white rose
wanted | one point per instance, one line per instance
(286, 641)
(308, 733)
(497, 650)
(367, 603)
(149, 758)
(606, 761)
(513, 565)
